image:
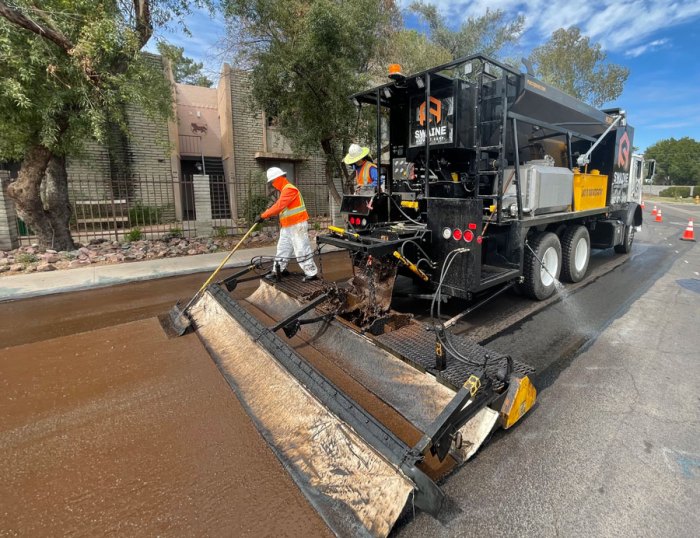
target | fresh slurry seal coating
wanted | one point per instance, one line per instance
(123, 431)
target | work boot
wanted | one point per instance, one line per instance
(308, 278)
(272, 275)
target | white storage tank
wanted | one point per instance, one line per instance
(545, 188)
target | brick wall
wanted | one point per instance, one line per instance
(248, 135)
(145, 153)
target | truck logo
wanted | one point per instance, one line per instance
(623, 154)
(434, 112)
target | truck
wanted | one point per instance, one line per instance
(521, 178)
(491, 180)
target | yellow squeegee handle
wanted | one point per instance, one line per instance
(233, 250)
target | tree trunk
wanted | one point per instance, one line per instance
(48, 218)
(330, 154)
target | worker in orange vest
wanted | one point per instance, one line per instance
(366, 174)
(294, 227)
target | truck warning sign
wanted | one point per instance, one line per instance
(435, 116)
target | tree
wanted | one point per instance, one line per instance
(67, 69)
(487, 34)
(570, 62)
(306, 57)
(677, 160)
(185, 70)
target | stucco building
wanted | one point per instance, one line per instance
(197, 170)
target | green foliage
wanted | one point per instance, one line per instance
(570, 62)
(487, 34)
(410, 49)
(317, 226)
(306, 58)
(25, 258)
(145, 215)
(221, 232)
(176, 232)
(135, 234)
(254, 205)
(185, 70)
(677, 161)
(675, 192)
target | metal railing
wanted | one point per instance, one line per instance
(148, 206)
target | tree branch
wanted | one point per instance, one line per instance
(144, 24)
(18, 18)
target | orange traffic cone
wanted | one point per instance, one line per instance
(689, 234)
(642, 204)
(654, 211)
(658, 216)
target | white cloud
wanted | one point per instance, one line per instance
(647, 47)
(618, 25)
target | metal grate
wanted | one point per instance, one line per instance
(416, 346)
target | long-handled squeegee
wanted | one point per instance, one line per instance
(178, 320)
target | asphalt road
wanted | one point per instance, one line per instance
(613, 446)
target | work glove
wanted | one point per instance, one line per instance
(259, 219)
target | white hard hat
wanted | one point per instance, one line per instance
(274, 172)
(355, 153)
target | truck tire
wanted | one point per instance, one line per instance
(628, 239)
(540, 283)
(575, 253)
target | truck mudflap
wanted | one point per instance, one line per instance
(355, 472)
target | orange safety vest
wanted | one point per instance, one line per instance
(363, 176)
(295, 212)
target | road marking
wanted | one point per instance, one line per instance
(685, 463)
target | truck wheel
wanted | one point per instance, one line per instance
(576, 253)
(628, 239)
(540, 282)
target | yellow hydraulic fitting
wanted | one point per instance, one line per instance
(409, 204)
(520, 398)
(412, 266)
(341, 231)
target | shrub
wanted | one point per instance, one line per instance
(176, 232)
(145, 215)
(134, 234)
(255, 202)
(675, 192)
(221, 232)
(25, 258)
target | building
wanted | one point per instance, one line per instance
(198, 172)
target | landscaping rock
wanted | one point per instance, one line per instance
(43, 267)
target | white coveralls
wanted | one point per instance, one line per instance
(294, 240)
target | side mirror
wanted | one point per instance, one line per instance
(651, 169)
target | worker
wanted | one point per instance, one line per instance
(294, 227)
(366, 174)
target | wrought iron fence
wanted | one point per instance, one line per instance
(148, 206)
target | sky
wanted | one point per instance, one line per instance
(658, 40)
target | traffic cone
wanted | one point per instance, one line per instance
(658, 216)
(654, 211)
(642, 204)
(689, 234)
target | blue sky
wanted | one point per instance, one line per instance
(659, 41)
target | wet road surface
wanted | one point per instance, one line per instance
(188, 457)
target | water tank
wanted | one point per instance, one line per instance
(545, 188)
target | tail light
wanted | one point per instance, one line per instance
(468, 236)
(472, 226)
(457, 234)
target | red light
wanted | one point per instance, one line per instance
(479, 239)
(468, 236)
(457, 235)
(472, 225)
(352, 220)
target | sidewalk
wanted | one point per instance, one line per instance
(96, 276)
